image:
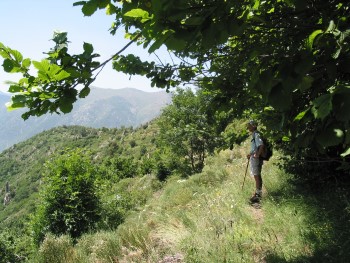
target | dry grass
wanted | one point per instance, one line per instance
(206, 218)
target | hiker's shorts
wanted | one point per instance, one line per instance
(255, 166)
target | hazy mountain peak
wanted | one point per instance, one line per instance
(111, 108)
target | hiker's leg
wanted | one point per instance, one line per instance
(256, 166)
(258, 184)
(255, 172)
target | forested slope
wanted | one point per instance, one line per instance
(201, 218)
(22, 165)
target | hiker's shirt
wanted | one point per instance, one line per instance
(256, 142)
(255, 163)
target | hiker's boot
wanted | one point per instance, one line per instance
(255, 198)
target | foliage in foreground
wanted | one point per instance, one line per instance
(286, 60)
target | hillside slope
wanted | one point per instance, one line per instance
(204, 218)
(21, 165)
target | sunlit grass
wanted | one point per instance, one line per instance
(207, 218)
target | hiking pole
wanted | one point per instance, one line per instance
(245, 175)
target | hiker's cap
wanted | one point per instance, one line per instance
(253, 123)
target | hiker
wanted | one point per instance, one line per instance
(255, 159)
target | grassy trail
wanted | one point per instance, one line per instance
(206, 218)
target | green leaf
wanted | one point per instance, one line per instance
(66, 105)
(138, 13)
(88, 48)
(8, 65)
(89, 8)
(17, 101)
(312, 37)
(322, 106)
(346, 153)
(48, 71)
(336, 54)
(4, 51)
(46, 95)
(306, 83)
(61, 75)
(300, 115)
(265, 81)
(268, 109)
(330, 136)
(341, 106)
(26, 63)
(79, 3)
(103, 3)
(176, 44)
(285, 139)
(59, 37)
(280, 98)
(42, 66)
(110, 9)
(211, 35)
(84, 92)
(15, 88)
(160, 41)
(17, 55)
(331, 26)
(256, 4)
(9, 107)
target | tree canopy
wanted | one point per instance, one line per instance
(285, 60)
(186, 129)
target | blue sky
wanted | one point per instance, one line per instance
(28, 26)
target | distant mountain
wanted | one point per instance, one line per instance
(110, 108)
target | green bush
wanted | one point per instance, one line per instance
(7, 249)
(162, 171)
(147, 166)
(119, 167)
(68, 202)
(132, 143)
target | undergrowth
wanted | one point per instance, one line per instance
(207, 218)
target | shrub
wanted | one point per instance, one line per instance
(123, 167)
(7, 249)
(162, 171)
(132, 143)
(68, 202)
(143, 150)
(146, 166)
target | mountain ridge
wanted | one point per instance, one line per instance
(110, 108)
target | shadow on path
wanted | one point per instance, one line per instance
(328, 231)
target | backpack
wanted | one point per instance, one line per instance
(268, 148)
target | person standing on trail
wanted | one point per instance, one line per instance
(255, 159)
